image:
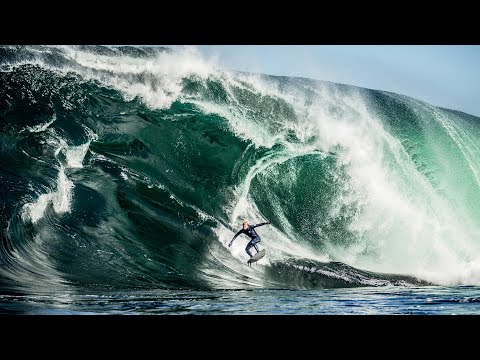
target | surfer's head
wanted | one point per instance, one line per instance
(245, 224)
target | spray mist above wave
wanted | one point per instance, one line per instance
(155, 76)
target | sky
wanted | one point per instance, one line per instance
(442, 75)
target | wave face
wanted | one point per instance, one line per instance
(130, 167)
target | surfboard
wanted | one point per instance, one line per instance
(256, 257)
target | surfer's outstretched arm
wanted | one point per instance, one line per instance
(231, 241)
(264, 223)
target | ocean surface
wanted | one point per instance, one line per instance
(125, 171)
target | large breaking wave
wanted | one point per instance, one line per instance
(132, 167)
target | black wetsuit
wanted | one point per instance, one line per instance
(250, 232)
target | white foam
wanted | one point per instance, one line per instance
(60, 199)
(157, 80)
(75, 155)
(40, 127)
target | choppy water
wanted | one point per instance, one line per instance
(464, 300)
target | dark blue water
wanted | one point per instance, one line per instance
(358, 301)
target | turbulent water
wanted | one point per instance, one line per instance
(129, 169)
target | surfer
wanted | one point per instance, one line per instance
(249, 230)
